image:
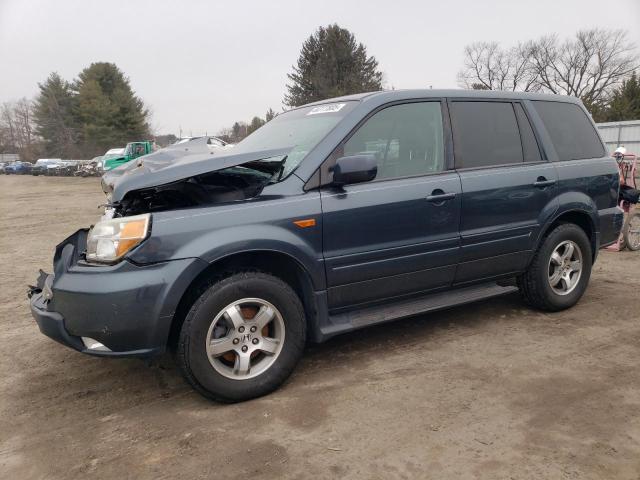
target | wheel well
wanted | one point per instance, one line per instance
(274, 263)
(581, 219)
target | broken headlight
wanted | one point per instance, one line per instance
(108, 241)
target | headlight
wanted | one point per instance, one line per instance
(108, 241)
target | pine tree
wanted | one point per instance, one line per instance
(53, 115)
(256, 123)
(331, 64)
(625, 101)
(108, 110)
(269, 115)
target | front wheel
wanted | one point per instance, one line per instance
(559, 272)
(242, 338)
(631, 231)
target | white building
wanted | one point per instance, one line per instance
(617, 134)
(9, 157)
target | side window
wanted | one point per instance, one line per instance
(485, 134)
(406, 140)
(572, 133)
(530, 149)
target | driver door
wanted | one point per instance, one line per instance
(398, 234)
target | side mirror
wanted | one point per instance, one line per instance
(354, 169)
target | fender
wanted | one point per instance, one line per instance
(571, 202)
(266, 238)
(216, 244)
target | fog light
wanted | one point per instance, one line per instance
(94, 345)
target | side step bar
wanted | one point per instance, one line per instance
(344, 322)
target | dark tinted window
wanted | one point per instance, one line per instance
(485, 134)
(571, 131)
(406, 140)
(530, 148)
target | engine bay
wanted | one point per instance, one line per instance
(222, 186)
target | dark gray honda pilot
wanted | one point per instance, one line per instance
(334, 216)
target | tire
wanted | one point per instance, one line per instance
(536, 283)
(630, 232)
(225, 377)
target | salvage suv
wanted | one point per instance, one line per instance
(332, 217)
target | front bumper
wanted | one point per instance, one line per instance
(127, 308)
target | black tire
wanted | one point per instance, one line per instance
(534, 283)
(631, 241)
(191, 354)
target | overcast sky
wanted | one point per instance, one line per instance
(203, 64)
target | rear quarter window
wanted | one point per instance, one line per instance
(572, 133)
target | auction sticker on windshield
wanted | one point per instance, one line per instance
(330, 108)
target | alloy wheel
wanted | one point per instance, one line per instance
(245, 338)
(565, 267)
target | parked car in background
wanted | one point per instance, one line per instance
(90, 169)
(212, 142)
(332, 217)
(2, 165)
(62, 168)
(41, 165)
(18, 168)
(111, 154)
(67, 168)
(132, 151)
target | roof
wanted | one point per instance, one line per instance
(391, 95)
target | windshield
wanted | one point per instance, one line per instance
(134, 149)
(301, 129)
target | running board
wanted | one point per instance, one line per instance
(344, 322)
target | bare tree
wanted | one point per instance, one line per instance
(588, 66)
(16, 130)
(489, 67)
(7, 127)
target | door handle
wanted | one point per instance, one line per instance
(542, 182)
(437, 197)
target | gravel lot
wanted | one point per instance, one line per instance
(492, 390)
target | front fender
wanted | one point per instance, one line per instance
(214, 233)
(242, 239)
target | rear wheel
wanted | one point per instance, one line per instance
(631, 231)
(559, 272)
(242, 338)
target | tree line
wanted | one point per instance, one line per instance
(598, 66)
(78, 119)
(99, 109)
(332, 63)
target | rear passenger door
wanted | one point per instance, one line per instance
(508, 189)
(397, 234)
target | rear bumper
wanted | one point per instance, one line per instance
(125, 307)
(611, 221)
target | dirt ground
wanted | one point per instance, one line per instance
(492, 390)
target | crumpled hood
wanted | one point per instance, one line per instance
(174, 164)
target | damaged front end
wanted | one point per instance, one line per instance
(228, 185)
(157, 184)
